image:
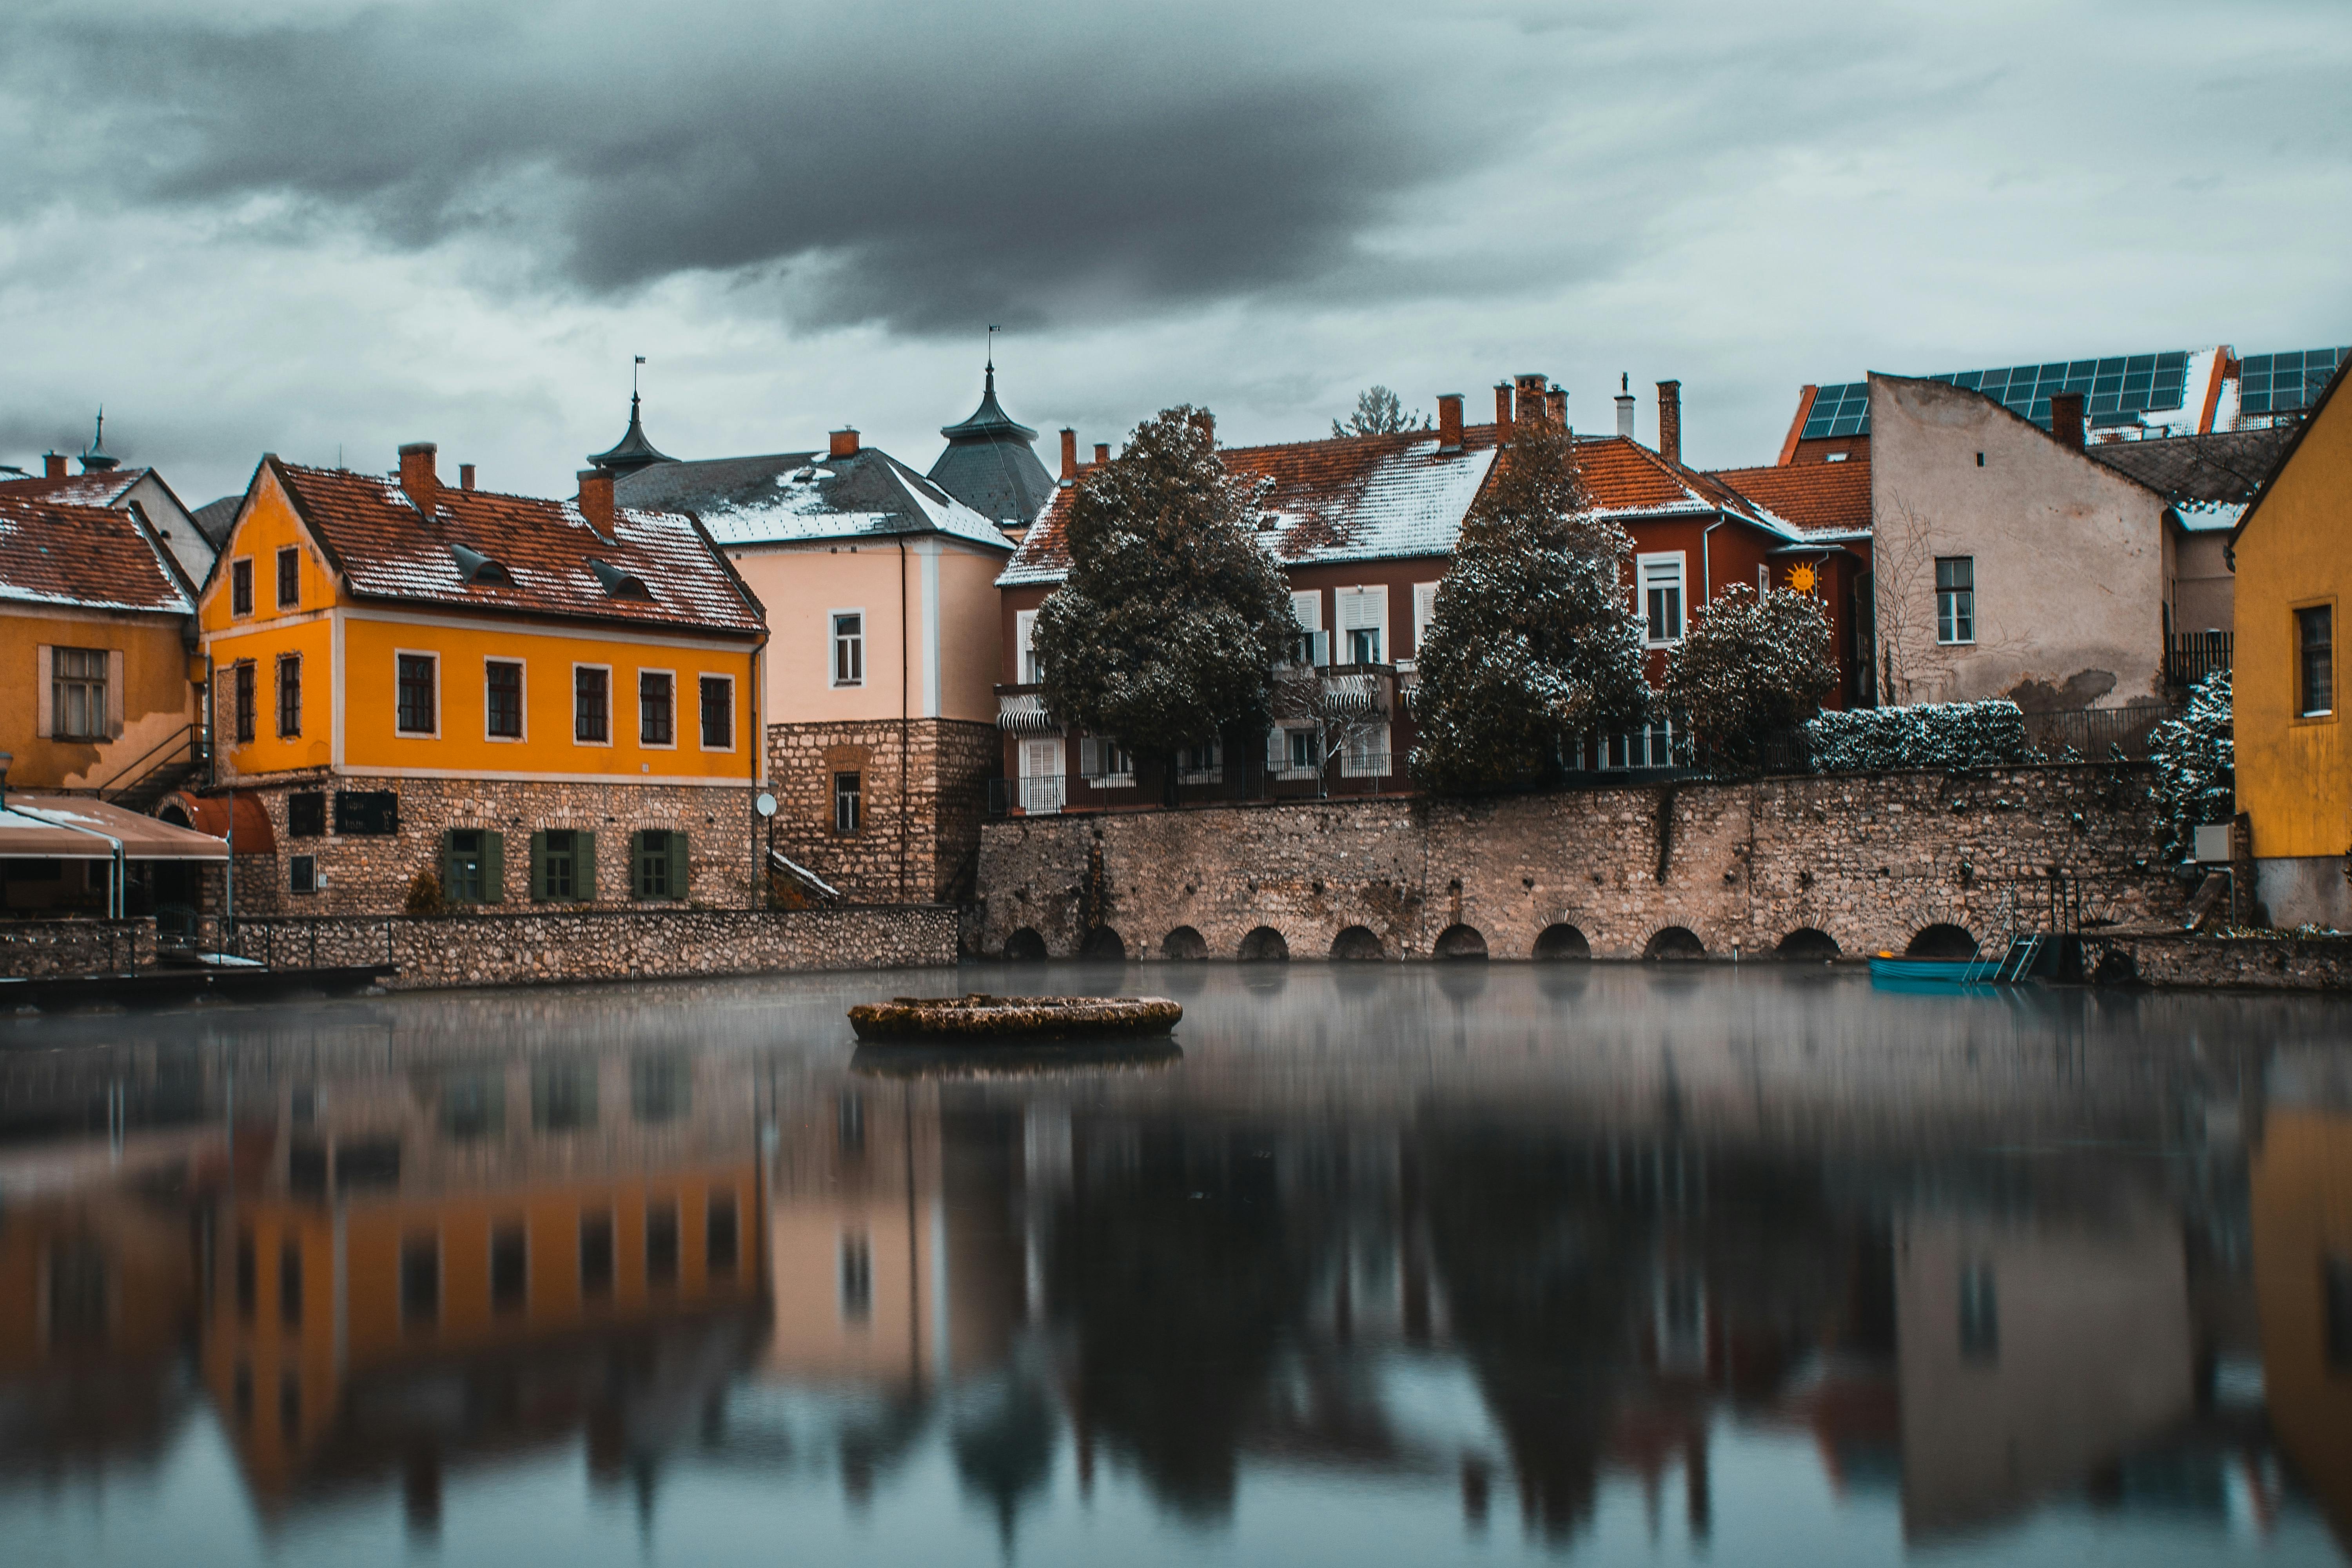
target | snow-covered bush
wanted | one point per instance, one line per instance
(1750, 669)
(2196, 767)
(1939, 735)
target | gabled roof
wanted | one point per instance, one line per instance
(1936, 384)
(2226, 466)
(383, 547)
(794, 497)
(1815, 497)
(104, 487)
(2310, 420)
(990, 464)
(1372, 498)
(91, 557)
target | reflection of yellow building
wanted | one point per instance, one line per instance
(2301, 1209)
(99, 1278)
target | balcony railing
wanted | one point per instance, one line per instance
(2191, 657)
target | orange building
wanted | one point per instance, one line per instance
(517, 700)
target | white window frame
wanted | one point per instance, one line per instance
(1044, 802)
(1643, 567)
(1310, 623)
(1424, 613)
(834, 641)
(1278, 760)
(1095, 768)
(1949, 623)
(1357, 752)
(523, 698)
(1363, 608)
(607, 743)
(644, 744)
(1026, 670)
(732, 726)
(440, 706)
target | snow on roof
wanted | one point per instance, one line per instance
(96, 557)
(785, 498)
(2209, 516)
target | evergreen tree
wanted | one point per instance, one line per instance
(1166, 631)
(1750, 669)
(2196, 767)
(1379, 412)
(1533, 643)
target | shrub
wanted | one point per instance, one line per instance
(2196, 767)
(424, 895)
(1749, 669)
(1941, 735)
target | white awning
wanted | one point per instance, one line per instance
(803, 875)
(1025, 713)
(1350, 696)
(73, 827)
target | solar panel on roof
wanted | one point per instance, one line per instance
(2115, 390)
(2283, 383)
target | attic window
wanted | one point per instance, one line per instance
(473, 567)
(1835, 457)
(620, 585)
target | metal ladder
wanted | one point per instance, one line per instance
(2018, 962)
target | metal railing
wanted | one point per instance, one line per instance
(2191, 657)
(2095, 734)
(274, 941)
(183, 747)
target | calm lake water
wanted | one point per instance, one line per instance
(1398, 1264)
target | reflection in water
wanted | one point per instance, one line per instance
(1674, 1265)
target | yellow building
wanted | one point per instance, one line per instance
(2299, 1202)
(523, 699)
(2292, 556)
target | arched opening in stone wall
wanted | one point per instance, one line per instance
(1025, 946)
(1806, 945)
(1103, 942)
(1942, 941)
(1265, 945)
(1183, 942)
(1358, 944)
(1556, 943)
(1675, 943)
(1459, 941)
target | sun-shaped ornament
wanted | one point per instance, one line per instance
(1800, 578)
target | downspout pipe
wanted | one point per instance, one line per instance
(1705, 568)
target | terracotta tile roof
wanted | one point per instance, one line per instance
(90, 556)
(104, 489)
(1371, 497)
(784, 498)
(384, 548)
(1809, 496)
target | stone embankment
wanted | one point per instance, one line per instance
(2281, 963)
(538, 948)
(1864, 861)
(40, 949)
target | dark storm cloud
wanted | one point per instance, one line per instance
(920, 166)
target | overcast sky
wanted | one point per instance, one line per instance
(317, 227)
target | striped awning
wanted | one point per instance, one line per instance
(1024, 714)
(1348, 696)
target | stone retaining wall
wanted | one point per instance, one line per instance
(38, 949)
(538, 948)
(1869, 860)
(2253, 963)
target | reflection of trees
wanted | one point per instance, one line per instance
(1176, 1264)
(1003, 1441)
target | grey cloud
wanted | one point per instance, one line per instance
(920, 168)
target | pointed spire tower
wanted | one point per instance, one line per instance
(96, 458)
(632, 451)
(990, 464)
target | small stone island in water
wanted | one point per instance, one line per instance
(982, 1019)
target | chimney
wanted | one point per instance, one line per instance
(1503, 407)
(1556, 407)
(1670, 421)
(1102, 453)
(597, 500)
(845, 442)
(417, 476)
(1449, 422)
(464, 476)
(1530, 403)
(1069, 453)
(1625, 407)
(53, 465)
(2066, 418)
(1203, 421)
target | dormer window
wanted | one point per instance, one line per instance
(620, 585)
(474, 567)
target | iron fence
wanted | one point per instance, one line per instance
(2191, 657)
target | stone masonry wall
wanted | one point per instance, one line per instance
(1868, 860)
(946, 764)
(547, 946)
(370, 874)
(2253, 963)
(37, 949)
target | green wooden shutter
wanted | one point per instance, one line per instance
(678, 863)
(449, 867)
(494, 868)
(637, 865)
(583, 865)
(538, 867)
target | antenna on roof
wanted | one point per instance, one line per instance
(991, 349)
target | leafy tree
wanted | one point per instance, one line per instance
(1378, 413)
(1750, 669)
(2196, 766)
(1166, 631)
(1533, 642)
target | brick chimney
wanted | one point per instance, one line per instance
(597, 500)
(1556, 407)
(1530, 400)
(1102, 453)
(1069, 453)
(464, 476)
(1624, 407)
(417, 476)
(1449, 422)
(1203, 421)
(53, 465)
(2066, 418)
(1670, 421)
(845, 442)
(1503, 407)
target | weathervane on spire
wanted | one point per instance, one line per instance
(991, 347)
(633, 378)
